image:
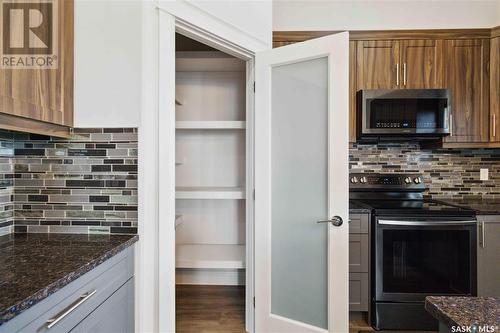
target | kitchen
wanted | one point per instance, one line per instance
(89, 171)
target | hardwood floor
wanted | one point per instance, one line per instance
(210, 309)
(221, 309)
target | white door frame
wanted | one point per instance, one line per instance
(336, 48)
(155, 257)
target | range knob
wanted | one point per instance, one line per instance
(417, 180)
(363, 180)
(354, 180)
(407, 180)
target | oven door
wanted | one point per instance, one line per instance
(415, 258)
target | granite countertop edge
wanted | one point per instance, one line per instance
(456, 310)
(21, 306)
(438, 313)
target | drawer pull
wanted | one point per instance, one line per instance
(70, 308)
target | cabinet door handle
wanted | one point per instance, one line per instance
(494, 125)
(451, 124)
(481, 234)
(404, 74)
(70, 308)
(397, 74)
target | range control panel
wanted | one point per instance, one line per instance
(366, 181)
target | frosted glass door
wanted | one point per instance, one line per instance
(299, 185)
(301, 178)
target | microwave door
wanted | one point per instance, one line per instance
(404, 112)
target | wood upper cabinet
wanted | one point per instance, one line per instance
(44, 95)
(495, 89)
(404, 64)
(460, 60)
(421, 64)
(377, 65)
(466, 75)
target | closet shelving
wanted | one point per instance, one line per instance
(210, 256)
(210, 168)
(209, 193)
(210, 124)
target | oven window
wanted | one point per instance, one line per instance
(426, 261)
(411, 113)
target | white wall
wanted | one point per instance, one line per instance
(108, 50)
(384, 15)
(108, 37)
(247, 23)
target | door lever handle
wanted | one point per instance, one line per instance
(336, 221)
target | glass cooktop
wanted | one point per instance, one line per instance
(422, 206)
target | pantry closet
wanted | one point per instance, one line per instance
(211, 181)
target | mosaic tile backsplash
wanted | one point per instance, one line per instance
(6, 183)
(448, 173)
(85, 184)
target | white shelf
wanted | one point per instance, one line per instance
(210, 256)
(209, 193)
(210, 124)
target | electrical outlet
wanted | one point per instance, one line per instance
(483, 174)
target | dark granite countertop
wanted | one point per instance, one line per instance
(34, 266)
(481, 206)
(464, 311)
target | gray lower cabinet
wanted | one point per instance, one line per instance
(102, 300)
(358, 292)
(488, 255)
(115, 315)
(359, 262)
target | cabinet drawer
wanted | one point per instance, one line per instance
(116, 314)
(359, 223)
(358, 292)
(359, 253)
(101, 283)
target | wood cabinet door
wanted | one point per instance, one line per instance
(421, 64)
(377, 65)
(44, 94)
(466, 75)
(495, 89)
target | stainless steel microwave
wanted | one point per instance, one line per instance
(403, 113)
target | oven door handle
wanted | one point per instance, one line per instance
(425, 223)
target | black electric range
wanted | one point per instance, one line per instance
(419, 248)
